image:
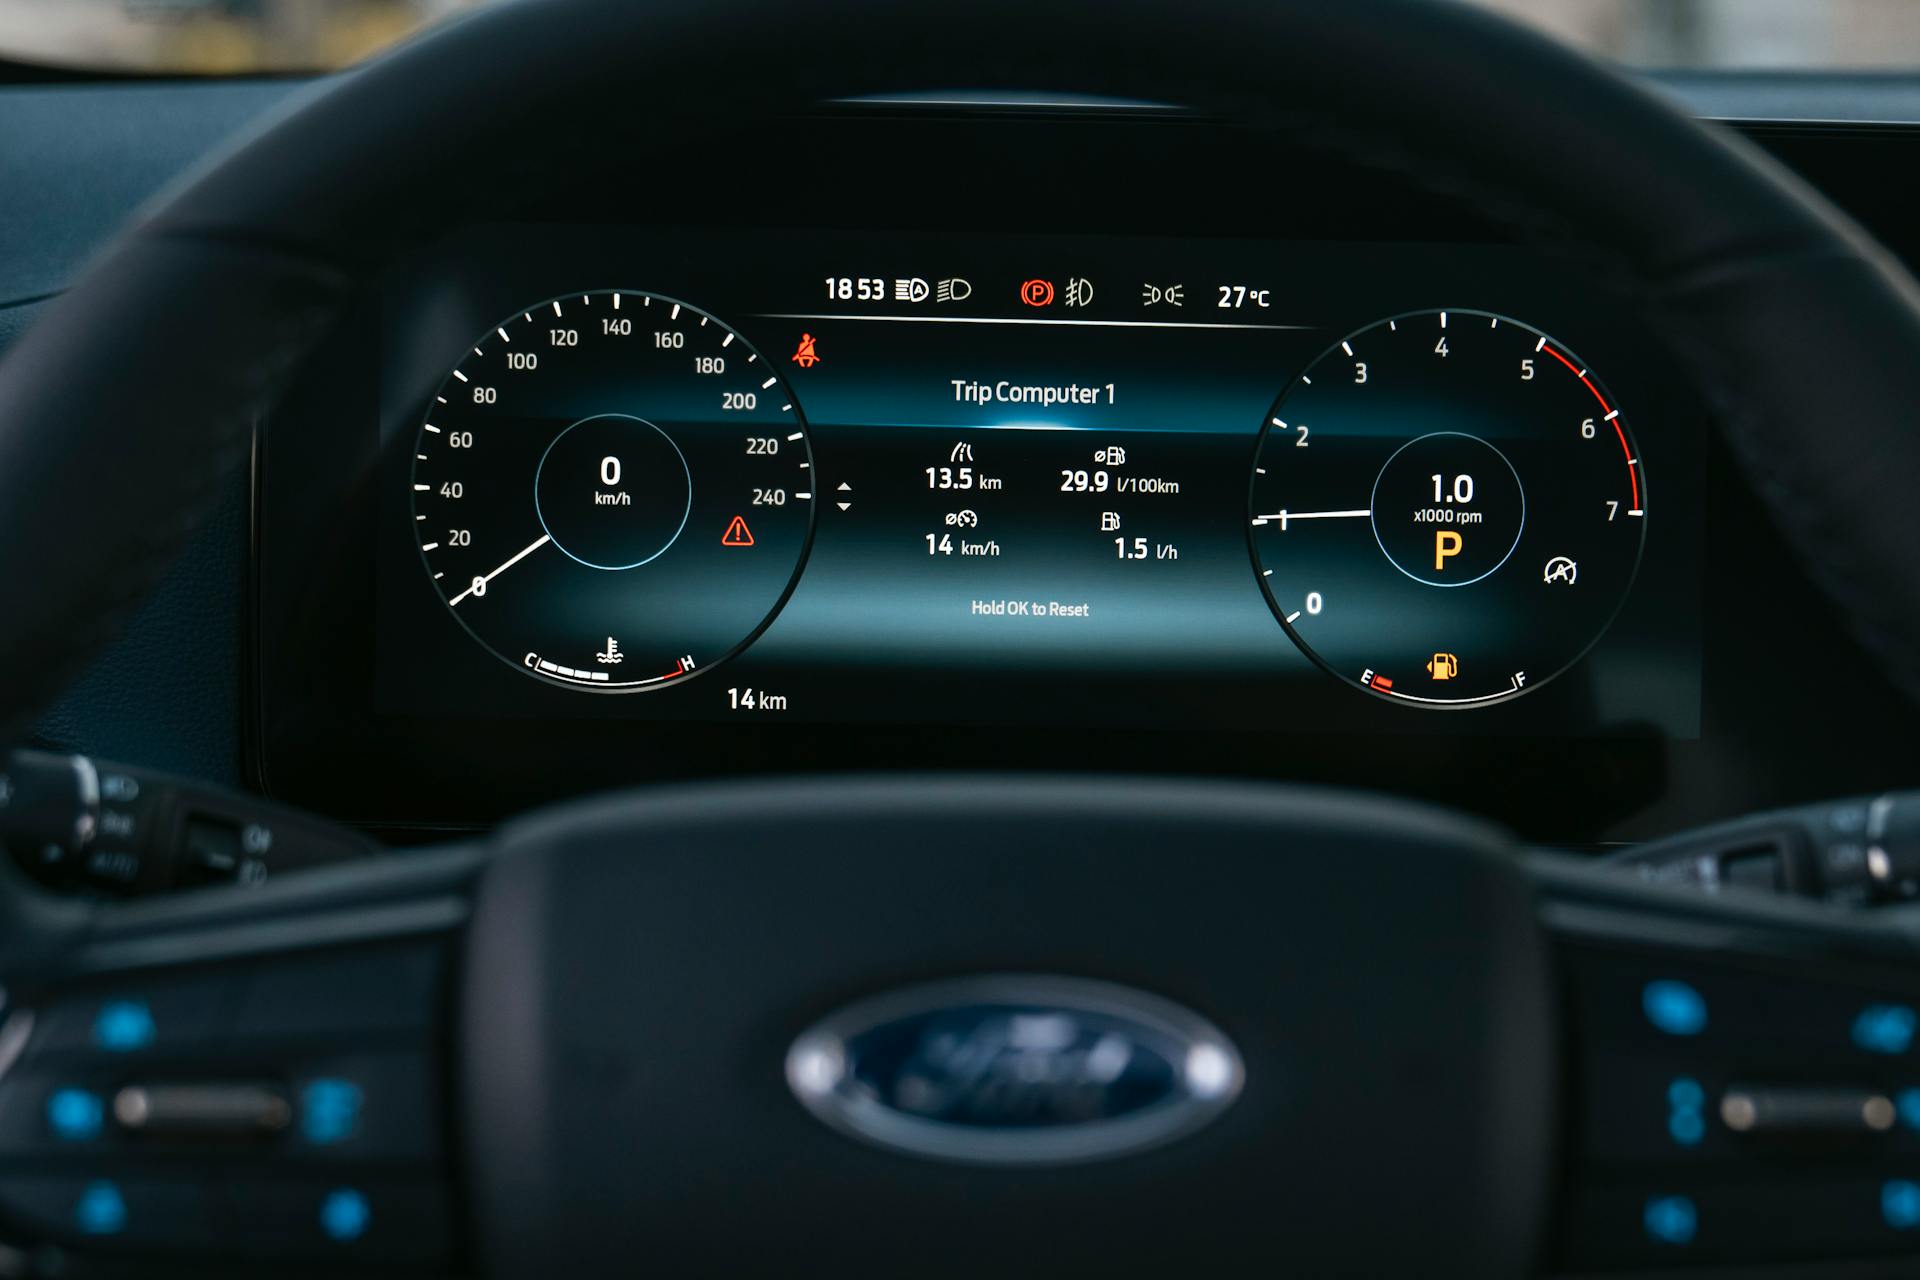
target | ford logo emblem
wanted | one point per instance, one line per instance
(1015, 1069)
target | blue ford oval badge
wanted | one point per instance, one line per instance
(1015, 1069)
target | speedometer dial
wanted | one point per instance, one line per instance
(1447, 508)
(612, 491)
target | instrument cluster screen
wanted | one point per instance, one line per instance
(860, 477)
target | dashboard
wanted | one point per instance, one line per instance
(1060, 466)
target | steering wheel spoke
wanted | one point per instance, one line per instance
(239, 1078)
(1740, 1078)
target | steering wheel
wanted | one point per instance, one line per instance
(1261, 1027)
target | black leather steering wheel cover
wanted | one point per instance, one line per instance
(121, 407)
(637, 964)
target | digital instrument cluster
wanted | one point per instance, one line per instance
(868, 478)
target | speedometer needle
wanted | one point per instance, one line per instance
(1284, 516)
(479, 586)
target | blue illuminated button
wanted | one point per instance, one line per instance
(101, 1209)
(1686, 1111)
(1909, 1104)
(345, 1215)
(1685, 1094)
(1885, 1028)
(1900, 1204)
(1687, 1127)
(1671, 1220)
(329, 1110)
(123, 1026)
(1674, 1007)
(76, 1115)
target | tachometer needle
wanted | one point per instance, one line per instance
(480, 584)
(1284, 516)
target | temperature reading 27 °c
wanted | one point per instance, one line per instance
(613, 492)
(1467, 519)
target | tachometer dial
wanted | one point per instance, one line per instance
(613, 491)
(1447, 508)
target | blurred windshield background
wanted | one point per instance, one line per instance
(253, 37)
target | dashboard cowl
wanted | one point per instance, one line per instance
(639, 968)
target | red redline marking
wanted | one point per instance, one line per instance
(1633, 473)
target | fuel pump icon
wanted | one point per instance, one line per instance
(1443, 666)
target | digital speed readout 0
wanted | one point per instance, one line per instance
(1150, 482)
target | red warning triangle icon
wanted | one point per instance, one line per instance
(737, 534)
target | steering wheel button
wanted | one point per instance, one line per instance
(1900, 1204)
(365, 1220)
(101, 1210)
(76, 1115)
(1811, 1216)
(1885, 1029)
(1674, 1007)
(1671, 1220)
(380, 1107)
(201, 1111)
(123, 1026)
(158, 1015)
(345, 1215)
(1635, 1112)
(1701, 1015)
(329, 1110)
(1686, 1111)
(42, 1115)
(89, 1210)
